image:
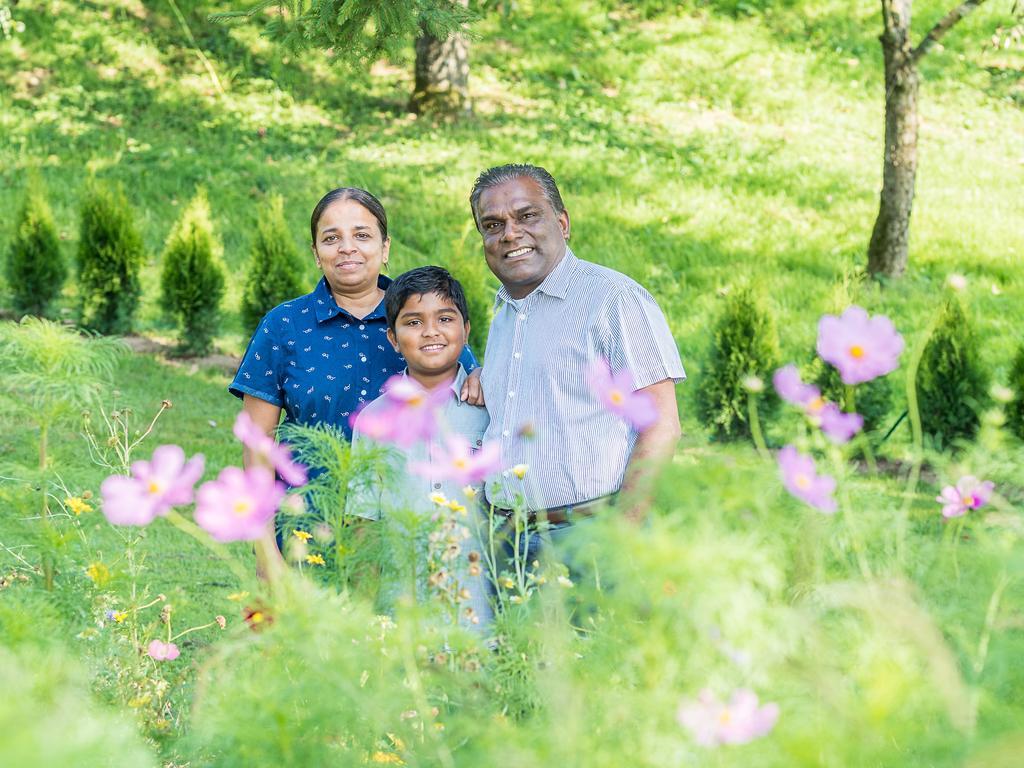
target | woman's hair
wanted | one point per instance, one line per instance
(361, 196)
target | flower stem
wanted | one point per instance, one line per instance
(755, 428)
(197, 533)
(851, 520)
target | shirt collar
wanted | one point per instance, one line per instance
(326, 307)
(457, 382)
(555, 284)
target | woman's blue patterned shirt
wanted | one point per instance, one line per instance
(318, 362)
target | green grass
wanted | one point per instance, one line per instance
(695, 150)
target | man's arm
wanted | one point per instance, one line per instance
(654, 448)
(266, 416)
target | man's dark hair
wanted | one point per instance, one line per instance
(361, 196)
(498, 175)
(419, 281)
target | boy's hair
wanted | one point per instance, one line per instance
(419, 281)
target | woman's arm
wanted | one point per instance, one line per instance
(266, 416)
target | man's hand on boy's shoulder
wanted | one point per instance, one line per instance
(472, 392)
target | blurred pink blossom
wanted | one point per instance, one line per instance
(618, 394)
(458, 462)
(154, 486)
(712, 722)
(801, 479)
(860, 347)
(269, 450)
(408, 414)
(238, 505)
(161, 651)
(839, 426)
(968, 494)
(791, 388)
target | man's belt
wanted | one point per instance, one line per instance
(562, 515)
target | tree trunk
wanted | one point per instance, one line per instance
(442, 74)
(887, 253)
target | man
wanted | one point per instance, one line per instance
(555, 315)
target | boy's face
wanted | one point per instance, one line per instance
(430, 333)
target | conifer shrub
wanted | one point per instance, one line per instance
(35, 267)
(192, 279)
(1015, 408)
(745, 343)
(275, 267)
(873, 398)
(110, 257)
(952, 385)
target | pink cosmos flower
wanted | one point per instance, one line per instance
(618, 394)
(801, 479)
(460, 463)
(269, 450)
(860, 347)
(839, 426)
(409, 413)
(161, 651)
(712, 722)
(791, 388)
(154, 487)
(238, 505)
(968, 494)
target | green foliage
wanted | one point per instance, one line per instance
(1015, 409)
(35, 265)
(952, 383)
(363, 29)
(873, 399)
(110, 257)
(275, 269)
(192, 280)
(744, 344)
(48, 716)
(472, 273)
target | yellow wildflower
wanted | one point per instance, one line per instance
(438, 498)
(302, 535)
(99, 573)
(120, 616)
(315, 560)
(470, 492)
(455, 507)
(77, 505)
(236, 596)
(519, 470)
(386, 757)
(507, 582)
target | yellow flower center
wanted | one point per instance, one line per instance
(461, 463)
(857, 351)
(616, 397)
(153, 488)
(724, 717)
(803, 482)
(816, 404)
(242, 507)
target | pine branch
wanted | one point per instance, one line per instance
(945, 24)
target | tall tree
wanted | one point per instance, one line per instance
(368, 29)
(887, 252)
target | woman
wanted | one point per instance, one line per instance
(322, 356)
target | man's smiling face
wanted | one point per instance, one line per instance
(524, 237)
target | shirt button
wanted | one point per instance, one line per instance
(516, 355)
(363, 392)
(522, 315)
(511, 394)
(437, 486)
(362, 327)
(506, 433)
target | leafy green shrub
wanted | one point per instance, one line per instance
(110, 257)
(35, 265)
(1015, 409)
(192, 280)
(874, 399)
(471, 271)
(744, 343)
(275, 269)
(951, 383)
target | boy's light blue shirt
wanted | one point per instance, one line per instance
(404, 490)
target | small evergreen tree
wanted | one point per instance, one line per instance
(952, 385)
(110, 258)
(275, 269)
(192, 279)
(1015, 408)
(745, 343)
(35, 266)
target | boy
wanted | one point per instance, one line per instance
(428, 324)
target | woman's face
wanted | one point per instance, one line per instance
(348, 248)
